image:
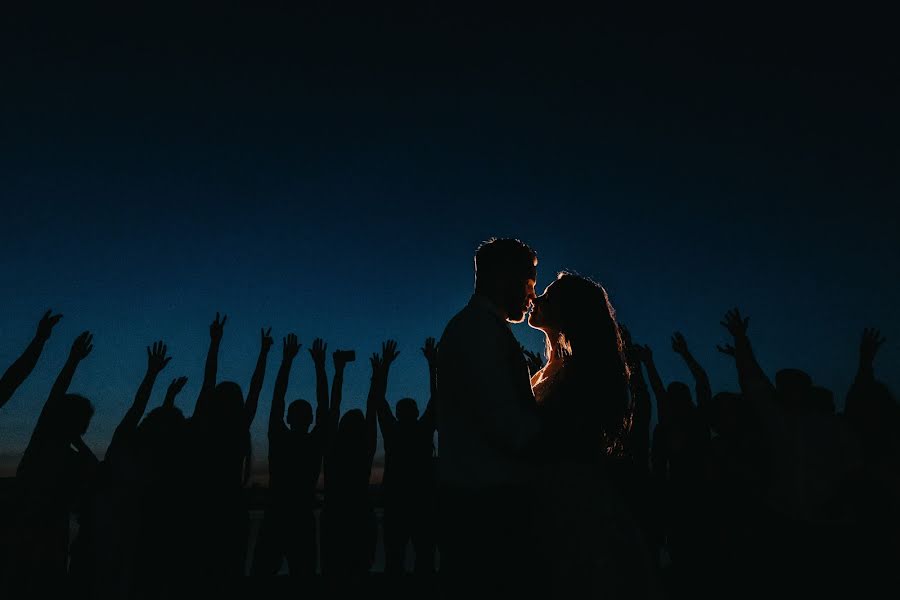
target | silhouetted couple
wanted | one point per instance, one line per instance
(526, 499)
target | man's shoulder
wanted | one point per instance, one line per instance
(471, 320)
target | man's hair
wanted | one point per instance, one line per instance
(497, 258)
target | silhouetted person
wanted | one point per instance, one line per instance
(55, 469)
(408, 481)
(162, 455)
(592, 542)
(295, 463)
(812, 456)
(349, 530)
(874, 492)
(24, 365)
(103, 553)
(489, 428)
(221, 448)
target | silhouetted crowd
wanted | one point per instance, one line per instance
(736, 492)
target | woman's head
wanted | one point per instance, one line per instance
(74, 415)
(576, 311)
(299, 415)
(576, 315)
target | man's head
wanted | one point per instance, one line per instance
(75, 415)
(505, 272)
(407, 411)
(299, 415)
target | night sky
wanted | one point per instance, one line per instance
(331, 173)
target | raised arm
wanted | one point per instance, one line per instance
(645, 355)
(337, 387)
(289, 349)
(701, 379)
(865, 375)
(533, 359)
(81, 347)
(754, 383)
(378, 389)
(156, 361)
(24, 365)
(429, 417)
(216, 329)
(638, 442)
(173, 391)
(252, 401)
(318, 354)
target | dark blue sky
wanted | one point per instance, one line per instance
(331, 173)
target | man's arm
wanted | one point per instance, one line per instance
(429, 417)
(256, 382)
(334, 411)
(639, 438)
(318, 352)
(381, 366)
(289, 349)
(156, 361)
(216, 329)
(173, 391)
(755, 384)
(24, 365)
(865, 374)
(701, 379)
(81, 347)
(645, 355)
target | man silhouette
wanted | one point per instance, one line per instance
(488, 427)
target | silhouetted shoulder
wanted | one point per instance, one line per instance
(473, 321)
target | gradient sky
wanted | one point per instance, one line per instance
(330, 173)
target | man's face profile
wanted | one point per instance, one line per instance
(520, 298)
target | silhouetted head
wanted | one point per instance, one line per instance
(723, 412)
(678, 396)
(821, 400)
(793, 388)
(351, 433)
(579, 311)
(73, 414)
(161, 437)
(407, 411)
(505, 272)
(299, 415)
(227, 404)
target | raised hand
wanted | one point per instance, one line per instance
(679, 345)
(726, 349)
(342, 357)
(377, 363)
(643, 353)
(534, 360)
(318, 351)
(217, 328)
(82, 346)
(389, 353)
(174, 388)
(735, 325)
(290, 347)
(430, 350)
(869, 344)
(156, 358)
(45, 326)
(266, 340)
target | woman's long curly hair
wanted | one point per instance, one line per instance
(592, 350)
